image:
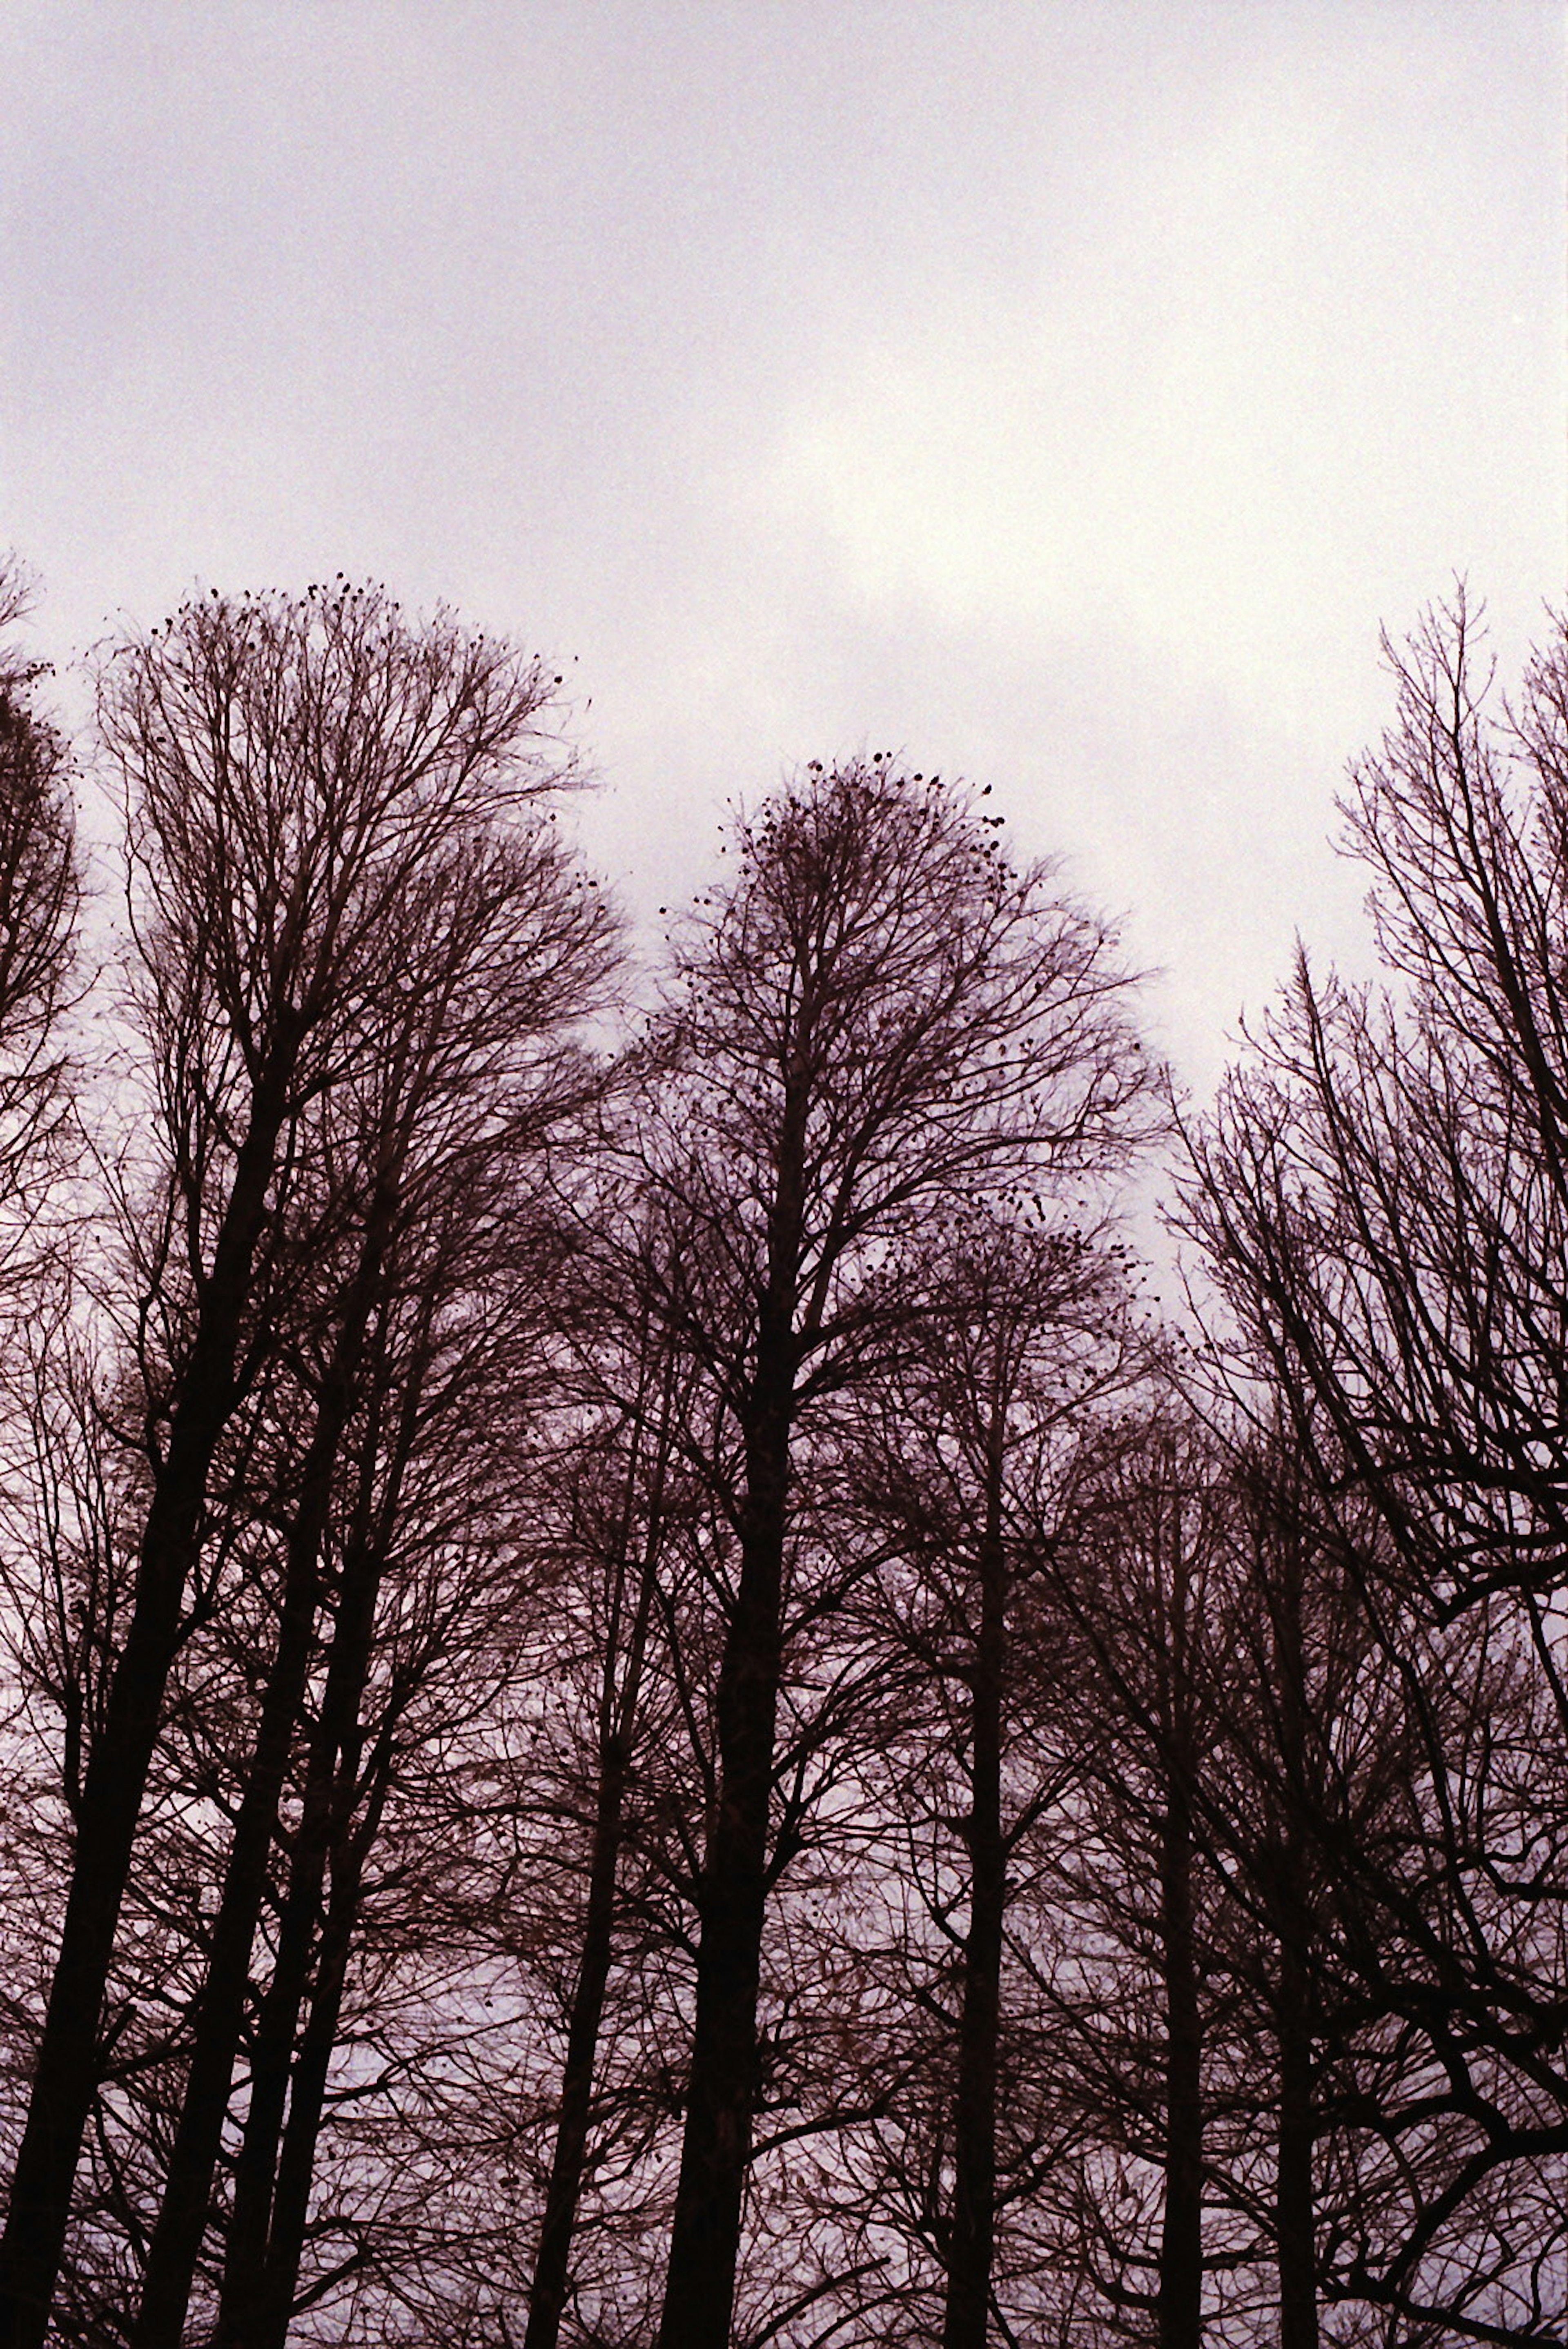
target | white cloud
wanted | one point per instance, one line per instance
(1276, 375)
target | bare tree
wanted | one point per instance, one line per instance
(494, 948)
(1383, 1200)
(975, 1438)
(431, 1576)
(289, 766)
(879, 1017)
(630, 1556)
(1120, 1577)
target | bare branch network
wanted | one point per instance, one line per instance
(647, 1707)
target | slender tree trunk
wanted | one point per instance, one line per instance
(1295, 2210)
(617, 1726)
(1295, 2207)
(705, 2243)
(732, 1898)
(548, 2296)
(1181, 2235)
(319, 1827)
(974, 2222)
(268, 2321)
(251, 2226)
(272, 2053)
(176, 2242)
(66, 2077)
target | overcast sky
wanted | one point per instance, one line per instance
(1058, 391)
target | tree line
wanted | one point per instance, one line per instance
(646, 1704)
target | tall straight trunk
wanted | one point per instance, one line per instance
(972, 2231)
(176, 2242)
(1295, 2214)
(618, 1725)
(66, 2077)
(272, 2053)
(320, 1829)
(268, 2318)
(1181, 2235)
(731, 1896)
(1180, 2289)
(297, 1955)
(1296, 2208)
(705, 2234)
(548, 2296)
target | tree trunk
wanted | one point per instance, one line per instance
(272, 2053)
(1294, 2200)
(974, 2222)
(66, 2077)
(319, 1828)
(176, 2242)
(705, 2243)
(268, 2321)
(617, 1726)
(1181, 2237)
(548, 2296)
(1296, 2208)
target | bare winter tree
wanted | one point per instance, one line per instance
(624, 1488)
(1134, 1604)
(430, 1591)
(879, 1017)
(460, 1076)
(1383, 1200)
(290, 768)
(977, 1438)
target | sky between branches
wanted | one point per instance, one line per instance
(1058, 391)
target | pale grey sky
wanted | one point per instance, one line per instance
(1061, 391)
